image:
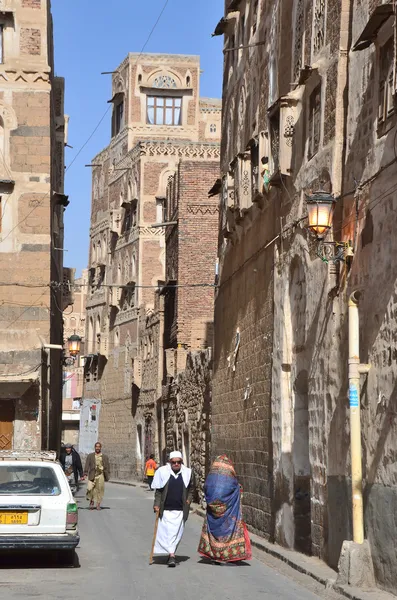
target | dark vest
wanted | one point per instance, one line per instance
(174, 498)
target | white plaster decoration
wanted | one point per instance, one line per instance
(163, 79)
(126, 316)
(202, 209)
(24, 76)
(193, 150)
(8, 122)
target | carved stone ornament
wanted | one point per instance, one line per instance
(289, 130)
(13, 75)
(8, 116)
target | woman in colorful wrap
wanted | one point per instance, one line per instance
(224, 537)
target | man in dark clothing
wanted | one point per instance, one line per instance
(71, 463)
(173, 485)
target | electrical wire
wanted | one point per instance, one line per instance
(24, 311)
(32, 370)
(40, 201)
(78, 286)
(109, 107)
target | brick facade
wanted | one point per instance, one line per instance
(31, 187)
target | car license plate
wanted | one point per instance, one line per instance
(13, 518)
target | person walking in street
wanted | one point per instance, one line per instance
(97, 469)
(173, 485)
(224, 536)
(71, 463)
(150, 469)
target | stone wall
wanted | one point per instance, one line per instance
(187, 404)
(295, 320)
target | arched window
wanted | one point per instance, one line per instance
(127, 268)
(164, 81)
(212, 128)
(98, 334)
(133, 265)
(90, 343)
(99, 251)
(116, 338)
(104, 248)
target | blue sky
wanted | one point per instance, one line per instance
(93, 36)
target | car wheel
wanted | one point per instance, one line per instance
(68, 558)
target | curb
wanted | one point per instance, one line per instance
(312, 567)
(129, 483)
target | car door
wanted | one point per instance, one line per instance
(33, 498)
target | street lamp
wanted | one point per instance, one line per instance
(320, 209)
(320, 212)
(74, 343)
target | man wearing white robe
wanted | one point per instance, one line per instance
(173, 485)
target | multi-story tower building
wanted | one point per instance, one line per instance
(32, 138)
(159, 122)
(73, 373)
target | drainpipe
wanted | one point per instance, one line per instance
(355, 370)
(46, 349)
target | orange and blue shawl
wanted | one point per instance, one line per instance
(224, 537)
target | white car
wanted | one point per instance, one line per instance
(37, 508)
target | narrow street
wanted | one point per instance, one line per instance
(113, 555)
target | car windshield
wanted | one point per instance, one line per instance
(29, 481)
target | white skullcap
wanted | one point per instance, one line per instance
(176, 454)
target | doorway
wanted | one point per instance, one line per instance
(7, 417)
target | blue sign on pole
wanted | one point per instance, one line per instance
(353, 397)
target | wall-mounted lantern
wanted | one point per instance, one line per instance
(74, 345)
(320, 212)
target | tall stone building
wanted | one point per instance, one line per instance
(308, 105)
(32, 138)
(160, 126)
(73, 372)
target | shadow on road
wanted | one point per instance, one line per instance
(163, 560)
(37, 560)
(94, 509)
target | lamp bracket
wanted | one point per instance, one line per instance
(334, 251)
(69, 361)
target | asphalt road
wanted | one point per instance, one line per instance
(113, 556)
